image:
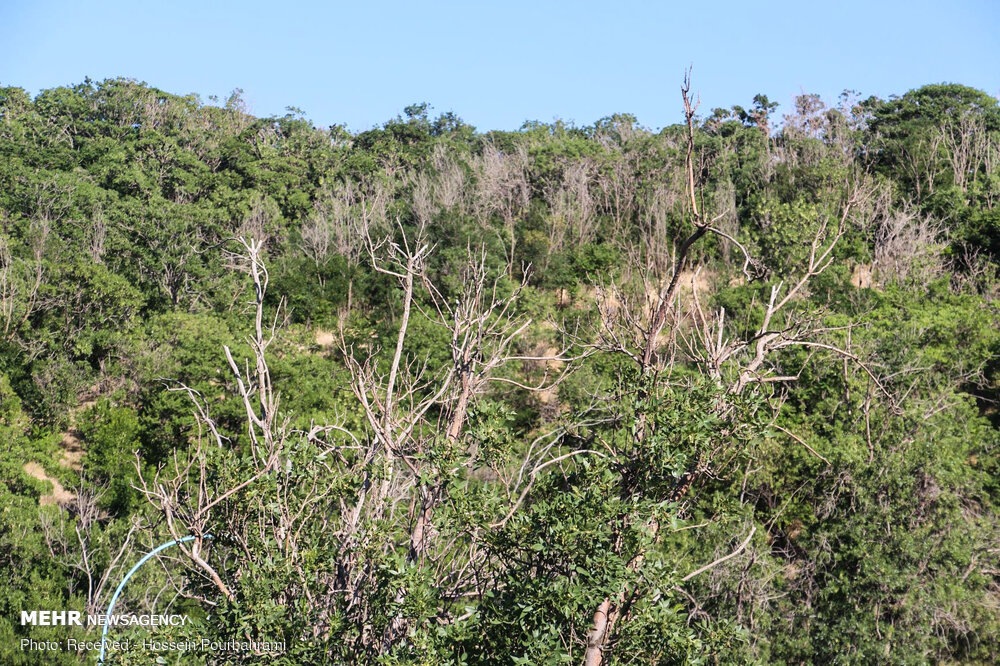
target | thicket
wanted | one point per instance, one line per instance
(722, 393)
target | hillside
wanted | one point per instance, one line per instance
(721, 393)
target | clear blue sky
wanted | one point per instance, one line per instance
(499, 64)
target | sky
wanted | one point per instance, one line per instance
(497, 65)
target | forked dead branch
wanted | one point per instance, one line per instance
(656, 338)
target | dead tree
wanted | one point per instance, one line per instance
(182, 491)
(501, 190)
(340, 220)
(411, 411)
(572, 207)
(967, 144)
(733, 363)
(80, 551)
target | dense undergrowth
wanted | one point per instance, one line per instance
(510, 393)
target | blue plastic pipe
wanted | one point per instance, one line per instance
(121, 585)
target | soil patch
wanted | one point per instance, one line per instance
(59, 495)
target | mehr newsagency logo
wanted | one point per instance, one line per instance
(50, 618)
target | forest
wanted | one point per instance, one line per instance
(720, 393)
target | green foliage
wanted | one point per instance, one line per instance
(110, 436)
(865, 463)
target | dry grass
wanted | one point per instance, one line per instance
(59, 495)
